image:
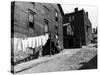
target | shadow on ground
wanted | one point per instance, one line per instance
(92, 64)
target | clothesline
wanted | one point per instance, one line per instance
(33, 42)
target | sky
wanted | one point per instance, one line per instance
(92, 12)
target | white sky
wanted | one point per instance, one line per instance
(92, 12)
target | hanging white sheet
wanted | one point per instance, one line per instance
(33, 42)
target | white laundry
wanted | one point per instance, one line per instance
(33, 42)
(37, 39)
(25, 44)
(18, 45)
(39, 42)
(30, 42)
(43, 38)
(22, 44)
(46, 36)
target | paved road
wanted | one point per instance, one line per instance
(70, 59)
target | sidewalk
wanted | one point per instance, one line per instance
(27, 65)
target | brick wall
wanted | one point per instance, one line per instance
(80, 23)
(41, 12)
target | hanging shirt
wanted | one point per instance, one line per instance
(30, 42)
(20, 45)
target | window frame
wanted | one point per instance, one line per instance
(46, 23)
(56, 16)
(32, 13)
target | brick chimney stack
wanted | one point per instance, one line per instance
(76, 9)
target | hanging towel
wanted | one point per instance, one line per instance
(30, 42)
(25, 44)
(18, 42)
(39, 40)
(33, 42)
(23, 41)
(43, 39)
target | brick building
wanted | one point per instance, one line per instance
(80, 25)
(29, 19)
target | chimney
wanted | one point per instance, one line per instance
(76, 9)
(87, 13)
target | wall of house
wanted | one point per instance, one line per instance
(43, 14)
(79, 26)
(88, 28)
(79, 22)
(41, 11)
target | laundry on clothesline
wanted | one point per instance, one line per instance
(33, 42)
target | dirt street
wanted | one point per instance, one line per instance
(70, 59)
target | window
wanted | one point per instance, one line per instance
(31, 18)
(71, 18)
(56, 29)
(46, 25)
(69, 30)
(56, 16)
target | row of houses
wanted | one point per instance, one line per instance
(32, 20)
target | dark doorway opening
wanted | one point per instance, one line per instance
(69, 42)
